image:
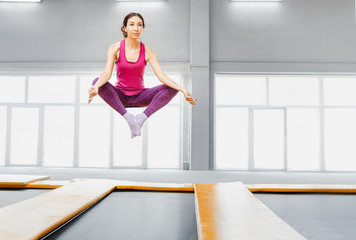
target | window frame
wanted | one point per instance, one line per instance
(320, 106)
(183, 158)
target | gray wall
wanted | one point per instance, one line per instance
(293, 35)
(200, 37)
(80, 31)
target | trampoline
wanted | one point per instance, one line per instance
(132, 214)
(112, 209)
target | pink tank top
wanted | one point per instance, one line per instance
(129, 75)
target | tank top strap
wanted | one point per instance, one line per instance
(122, 50)
(142, 53)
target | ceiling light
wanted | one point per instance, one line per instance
(20, 0)
(255, 0)
(140, 0)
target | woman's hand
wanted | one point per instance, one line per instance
(189, 97)
(93, 91)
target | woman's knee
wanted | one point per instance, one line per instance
(95, 80)
(170, 89)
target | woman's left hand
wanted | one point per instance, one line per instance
(189, 97)
(93, 91)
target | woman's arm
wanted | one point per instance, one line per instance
(111, 57)
(106, 75)
(152, 58)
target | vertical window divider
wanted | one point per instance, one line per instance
(180, 155)
(26, 89)
(111, 135)
(186, 126)
(76, 123)
(213, 114)
(285, 140)
(250, 143)
(322, 122)
(145, 145)
(267, 91)
(40, 146)
(8, 137)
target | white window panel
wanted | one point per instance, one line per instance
(340, 139)
(58, 136)
(24, 135)
(3, 126)
(152, 81)
(94, 137)
(231, 138)
(268, 139)
(163, 138)
(51, 89)
(294, 91)
(86, 82)
(232, 90)
(113, 80)
(340, 91)
(127, 150)
(12, 89)
(303, 139)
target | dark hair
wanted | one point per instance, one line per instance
(128, 16)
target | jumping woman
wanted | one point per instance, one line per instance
(130, 57)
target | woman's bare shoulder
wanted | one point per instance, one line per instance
(147, 49)
(115, 46)
(114, 50)
(148, 52)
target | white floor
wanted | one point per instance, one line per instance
(186, 176)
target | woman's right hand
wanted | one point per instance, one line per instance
(189, 97)
(93, 91)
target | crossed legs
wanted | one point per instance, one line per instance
(154, 98)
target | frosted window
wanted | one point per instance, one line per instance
(303, 139)
(164, 138)
(113, 80)
(340, 139)
(231, 138)
(3, 125)
(24, 136)
(240, 90)
(294, 91)
(12, 89)
(94, 137)
(85, 83)
(58, 136)
(152, 81)
(340, 91)
(127, 150)
(52, 89)
(268, 139)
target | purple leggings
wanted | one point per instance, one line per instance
(155, 98)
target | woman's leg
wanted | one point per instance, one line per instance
(154, 98)
(112, 96)
(117, 100)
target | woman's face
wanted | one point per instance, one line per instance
(134, 27)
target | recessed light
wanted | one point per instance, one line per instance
(20, 0)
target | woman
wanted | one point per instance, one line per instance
(131, 57)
